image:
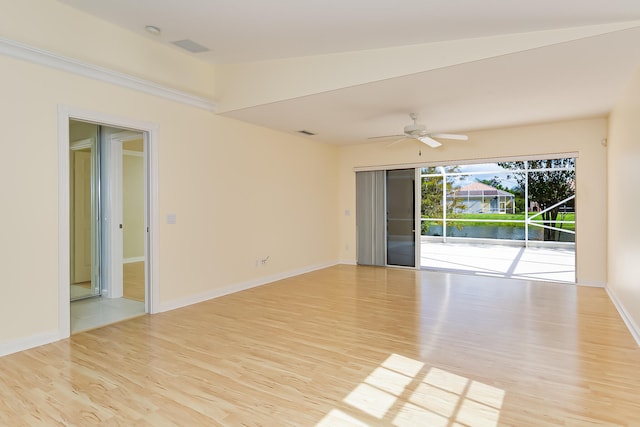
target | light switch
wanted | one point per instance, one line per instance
(171, 218)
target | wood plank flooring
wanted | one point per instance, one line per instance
(132, 283)
(133, 280)
(344, 346)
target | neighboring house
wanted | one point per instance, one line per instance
(534, 206)
(482, 198)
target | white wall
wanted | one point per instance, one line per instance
(624, 205)
(56, 27)
(581, 136)
(239, 192)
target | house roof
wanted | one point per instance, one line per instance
(478, 189)
(347, 71)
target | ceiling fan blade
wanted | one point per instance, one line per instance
(385, 136)
(429, 141)
(449, 136)
(392, 143)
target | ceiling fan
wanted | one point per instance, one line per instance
(419, 131)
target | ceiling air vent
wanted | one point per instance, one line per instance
(191, 46)
(306, 132)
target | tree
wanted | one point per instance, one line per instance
(546, 187)
(518, 191)
(494, 182)
(432, 187)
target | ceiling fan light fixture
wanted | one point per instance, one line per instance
(415, 129)
(419, 132)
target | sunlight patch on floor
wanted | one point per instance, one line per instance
(400, 391)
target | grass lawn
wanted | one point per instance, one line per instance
(506, 218)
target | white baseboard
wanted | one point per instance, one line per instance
(628, 320)
(25, 343)
(348, 262)
(130, 260)
(593, 284)
(216, 293)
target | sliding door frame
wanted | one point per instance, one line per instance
(382, 239)
(418, 191)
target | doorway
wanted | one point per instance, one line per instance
(108, 224)
(514, 219)
(401, 239)
(386, 217)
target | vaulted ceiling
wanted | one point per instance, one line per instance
(350, 70)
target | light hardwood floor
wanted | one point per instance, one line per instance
(132, 283)
(345, 345)
(133, 280)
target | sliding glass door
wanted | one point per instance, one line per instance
(401, 230)
(370, 217)
(386, 217)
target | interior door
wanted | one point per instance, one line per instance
(82, 216)
(401, 240)
(85, 246)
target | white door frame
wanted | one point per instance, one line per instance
(417, 199)
(65, 113)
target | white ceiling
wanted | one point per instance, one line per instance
(570, 80)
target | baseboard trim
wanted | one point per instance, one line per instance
(628, 320)
(592, 284)
(348, 262)
(217, 293)
(26, 343)
(130, 260)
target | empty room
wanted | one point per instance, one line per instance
(316, 213)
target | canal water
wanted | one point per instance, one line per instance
(495, 232)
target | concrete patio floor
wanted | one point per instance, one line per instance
(516, 262)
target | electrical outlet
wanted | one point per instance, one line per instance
(261, 261)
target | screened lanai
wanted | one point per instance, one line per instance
(509, 219)
(505, 218)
